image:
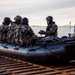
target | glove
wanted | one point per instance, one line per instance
(41, 32)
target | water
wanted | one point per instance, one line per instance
(62, 30)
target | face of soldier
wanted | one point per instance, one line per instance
(48, 22)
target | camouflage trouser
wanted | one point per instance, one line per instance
(28, 40)
(22, 40)
(11, 38)
(3, 38)
(16, 37)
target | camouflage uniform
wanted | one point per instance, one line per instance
(51, 29)
(3, 32)
(16, 33)
(25, 35)
(13, 30)
(4, 29)
(11, 33)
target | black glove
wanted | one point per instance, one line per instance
(42, 32)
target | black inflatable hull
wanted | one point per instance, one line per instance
(57, 52)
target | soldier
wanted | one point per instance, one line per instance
(26, 33)
(13, 29)
(51, 29)
(4, 29)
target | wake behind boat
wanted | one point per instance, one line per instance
(50, 49)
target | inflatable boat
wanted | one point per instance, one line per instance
(50, 49)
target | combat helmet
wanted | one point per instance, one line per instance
(18, 18)
(25, 20)
(7, 19)
(49, 18)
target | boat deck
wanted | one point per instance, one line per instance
(9, 66)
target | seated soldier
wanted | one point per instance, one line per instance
(4, 29)
(26, 34)
(13, 29)
(52, 28)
